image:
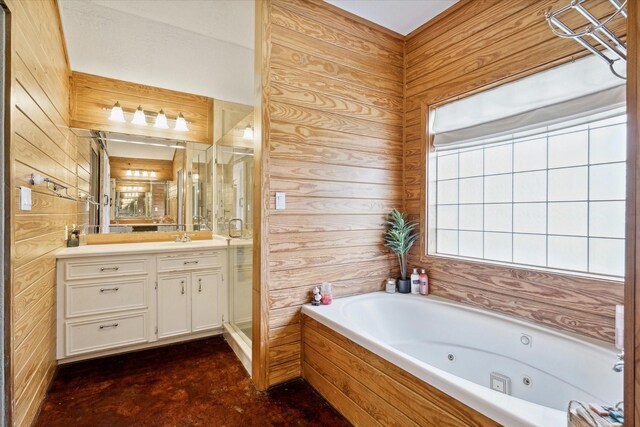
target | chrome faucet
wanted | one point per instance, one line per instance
(619, 365)
(232, 220)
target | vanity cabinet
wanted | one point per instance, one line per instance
(110, 303)
(188, 302)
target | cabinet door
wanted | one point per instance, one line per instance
(174, 314)
(205, 300)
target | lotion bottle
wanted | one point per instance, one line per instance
(424, 283)
(415, 281)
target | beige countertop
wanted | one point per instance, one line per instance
(147, 247)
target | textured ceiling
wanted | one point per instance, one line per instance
(401, 16)
(195, 46)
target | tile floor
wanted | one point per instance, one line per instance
(200, 383)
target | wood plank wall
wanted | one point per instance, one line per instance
(332, 125)
(92, 96)
(472, 45)
(41, 143)
(370, 391)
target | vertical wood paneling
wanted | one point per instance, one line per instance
(471, 46)
(332, 141)
(40, 143)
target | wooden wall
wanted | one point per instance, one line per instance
(92, 97)
(332, 141)
(40, 142)
(370, 391)
(470, 46)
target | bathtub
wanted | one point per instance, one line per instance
(463, 350)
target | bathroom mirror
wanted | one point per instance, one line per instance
(138, 184)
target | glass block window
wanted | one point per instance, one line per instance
(553, 198)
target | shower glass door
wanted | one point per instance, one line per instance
(234, 187)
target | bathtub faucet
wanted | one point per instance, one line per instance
(619, 365)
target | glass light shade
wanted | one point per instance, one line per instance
(248, 133)
(153, 174)
(145, 173)
(139, 118)
(161, 121)
(129, 173)
(136, 173)
(195, 177)
(181, 123)
(117, 115)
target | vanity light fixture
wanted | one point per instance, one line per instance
(161, 121)
(248, 132)
(128, 172)
(181, 124)
(117, 115)
(139, 117)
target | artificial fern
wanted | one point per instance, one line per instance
(400, 237)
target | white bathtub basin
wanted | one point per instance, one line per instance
(457, 348)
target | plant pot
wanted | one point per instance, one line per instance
(404, 286)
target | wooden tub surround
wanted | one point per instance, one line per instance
(370, 391)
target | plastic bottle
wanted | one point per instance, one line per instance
(415, 281)
(424, 283)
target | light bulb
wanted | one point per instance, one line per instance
(195, 177)
(139, 117)
(145, 173)
(153, 174)
(181, 123)
(248, 133)
(117, 115)
(128, 173)
(136, 173)
(161, 121)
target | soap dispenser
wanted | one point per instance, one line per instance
(415, 282)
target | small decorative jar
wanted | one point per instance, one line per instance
(327, 296)
(391, 286)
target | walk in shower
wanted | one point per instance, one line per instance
(234, 185)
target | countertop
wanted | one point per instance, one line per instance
(147, 247)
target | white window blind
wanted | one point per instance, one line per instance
(564, 94)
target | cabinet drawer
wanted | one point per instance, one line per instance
(189, 261)
(94, 335)
(96, 269)
(116, 295)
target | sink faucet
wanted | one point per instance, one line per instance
(619, 365)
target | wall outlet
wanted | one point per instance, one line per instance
(25, 198)
(280, 201)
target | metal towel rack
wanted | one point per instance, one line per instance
(596, 30)
(61, 190)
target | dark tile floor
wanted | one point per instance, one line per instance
(200, 383)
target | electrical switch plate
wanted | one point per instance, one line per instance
(25, 198)
(280, 201)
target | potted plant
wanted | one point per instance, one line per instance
(400, 237)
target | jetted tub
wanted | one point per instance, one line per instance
(463, 350)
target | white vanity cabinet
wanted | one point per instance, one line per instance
(117, 298)
(189, 301)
